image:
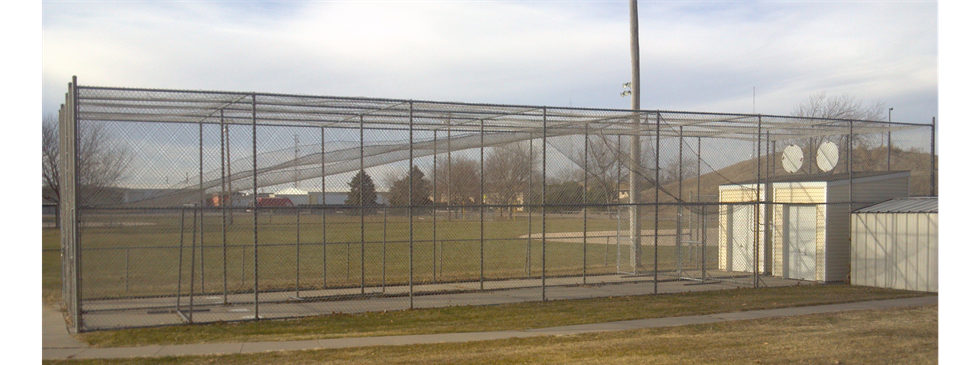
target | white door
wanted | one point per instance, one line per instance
(800, 236)
(742, 227)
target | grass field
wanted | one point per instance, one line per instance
(140, 254)
(891, 336)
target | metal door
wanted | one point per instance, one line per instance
(743, 227)
(800, 239)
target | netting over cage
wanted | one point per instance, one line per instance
(196, 199)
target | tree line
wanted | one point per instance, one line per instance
(509, 176)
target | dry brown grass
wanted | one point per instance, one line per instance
(518, 316)
(890, 336)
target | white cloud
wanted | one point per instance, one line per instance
(695, 56)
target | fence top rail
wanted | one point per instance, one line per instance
(191, 106)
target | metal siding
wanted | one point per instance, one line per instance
(897, 251)
(837, 221)
(904, 205)
(933, 244)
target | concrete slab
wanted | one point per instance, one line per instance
(255, 347)
(55, 335)
(200, 349)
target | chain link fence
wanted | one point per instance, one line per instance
(191, 206)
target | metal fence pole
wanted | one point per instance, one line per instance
(543, 211)
(586, 144)
(702, 221)
(434, 206)
(363, 214)
(256, 213)
(529, 208)
(449, 191)
(679, 203)
(193, 262)
(224, 197)
(297, 289)
(656, 212)
(483, 200)
(70, 141)
(383, 256)
(201, 204)
(323, 200)
(619, 200)
(183, 211)
(410, 204)
(756, 212)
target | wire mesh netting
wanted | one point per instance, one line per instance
(190, 206)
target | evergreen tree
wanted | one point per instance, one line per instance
(400, 191)
(362, 192)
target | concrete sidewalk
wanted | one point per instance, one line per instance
(57, 344)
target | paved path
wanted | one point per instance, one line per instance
(58, 345)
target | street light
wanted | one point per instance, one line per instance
(889, 141)
(626, 85)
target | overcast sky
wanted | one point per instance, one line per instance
(696, 56)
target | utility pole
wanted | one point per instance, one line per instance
(635, 178)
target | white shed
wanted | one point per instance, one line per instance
(809, 222)
(894, 244)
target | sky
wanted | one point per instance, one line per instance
(738, 57)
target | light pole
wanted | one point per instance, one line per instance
(889, 141)
(635, 178)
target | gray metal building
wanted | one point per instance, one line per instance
(894, 244)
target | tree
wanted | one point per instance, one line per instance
(563, 196)
(362, 192)
(400, 192)
(672, 172)
(458, 181)
(507, 174)
(846, 108)
(103, 160)
(609, 163)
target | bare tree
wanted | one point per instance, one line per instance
(507, 173)
(846, 109)
(844, 106)
(672, 172)
(102, 160)
(607, 164)
(457, 181)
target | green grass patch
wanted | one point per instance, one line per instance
(493, 318)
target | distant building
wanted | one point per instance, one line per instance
(274, 202)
